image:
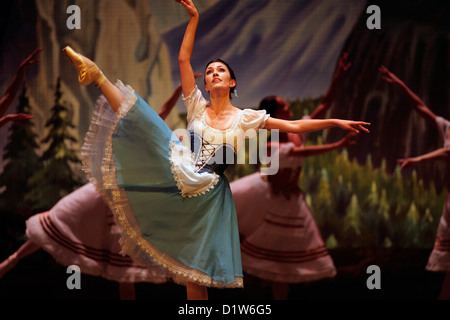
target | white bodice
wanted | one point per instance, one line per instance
(245, 125)
(187, 163)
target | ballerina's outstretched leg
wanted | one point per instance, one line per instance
(89, 72)
(26, 249)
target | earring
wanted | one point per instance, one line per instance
(235, 93)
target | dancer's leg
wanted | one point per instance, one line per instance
(89, 72)
(26, 249)
(196, 292)
(127, 291)
(114, 96)
(445, 290)
(280, 291)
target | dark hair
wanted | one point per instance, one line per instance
(270, 104)
(232, 75)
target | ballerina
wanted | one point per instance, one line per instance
(79, 230)
(175, 206)
(439, 260)
(280, 240)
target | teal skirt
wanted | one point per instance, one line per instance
(127, 156)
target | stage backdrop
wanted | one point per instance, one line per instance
(288, 48)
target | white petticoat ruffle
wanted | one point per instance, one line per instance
(189, 182)
(99, 167)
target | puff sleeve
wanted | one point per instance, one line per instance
(443, 125)
(252, 120)
(195, 103)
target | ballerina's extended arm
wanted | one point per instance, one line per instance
(413, 99)
(309, 151)
(308, 125)
(13, 87)
(438, 154)
(328, 98)
(16, 117)
(187, 46)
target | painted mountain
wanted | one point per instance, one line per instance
(121, 36)
(288, 47)
(414, 44)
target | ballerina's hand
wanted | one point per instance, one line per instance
(29, 60)
(19, 117)
(354, 126)
(348, 140)
(343, 65)
(388, 76)
(190, 7)
(406, 163)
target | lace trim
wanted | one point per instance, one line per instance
(191, 95)
(202, 187)
(103, 124)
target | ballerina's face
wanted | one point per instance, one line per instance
(217, 76)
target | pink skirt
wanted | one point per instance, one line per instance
(439, 259)
(280, 240)
(79, 230)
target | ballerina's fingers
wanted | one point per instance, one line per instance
(181, 2)
(344, 64)
(22, 116)
(190, 7)
(348, 139)
(347, 66)
(30, 60)
(404, 163)
(186, 3)
(387, 75)
(356, 126)
(361, 126)
(384, 70)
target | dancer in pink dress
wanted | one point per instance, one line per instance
(80, 230)
(439, 260)
(280, 240)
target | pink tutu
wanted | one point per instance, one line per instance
(79, 230)
(439, 259)
(280, 240)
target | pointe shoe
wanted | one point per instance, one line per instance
(88, 71)
(8, 264)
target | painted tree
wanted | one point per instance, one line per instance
(322, 206)
(22, 162)
(352, 223)
(57, 178)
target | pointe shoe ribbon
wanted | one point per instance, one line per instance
(85, 75)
